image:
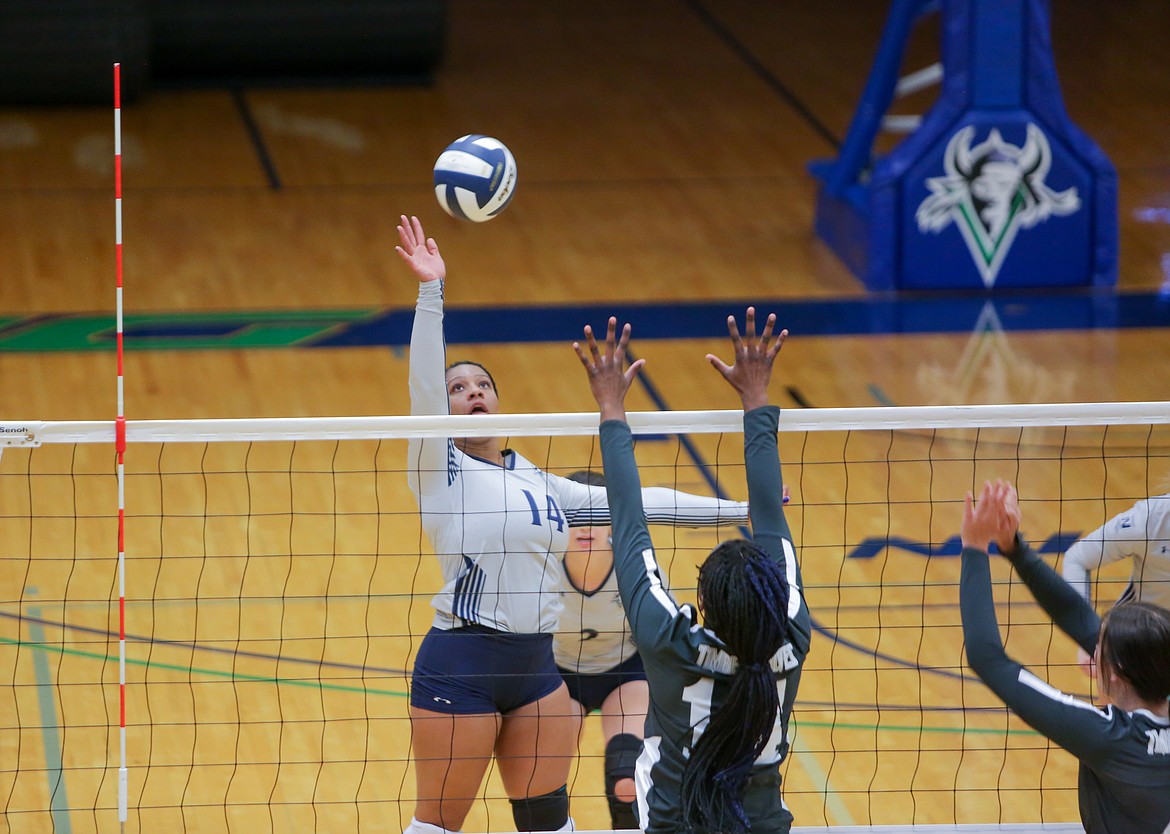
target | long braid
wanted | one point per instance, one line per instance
(745, 602)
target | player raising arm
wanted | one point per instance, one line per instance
(721, 690)
(484, 682)
(1140, 534)
(1123, 748)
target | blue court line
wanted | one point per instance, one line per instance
(766, 75)
(54, 769)
(877, 315)
(40, 622)
(35, 620)
(63, 626)
(257, 139)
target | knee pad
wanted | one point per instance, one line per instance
(621, 755)
(548, 812)
(622, 815)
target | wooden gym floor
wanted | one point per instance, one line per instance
(662, 149)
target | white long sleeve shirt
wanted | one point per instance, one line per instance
(498, 531)
(1141, 533)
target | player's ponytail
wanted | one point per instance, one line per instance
(1135, 645)
(744, 597)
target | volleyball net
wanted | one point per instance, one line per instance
(277, 585)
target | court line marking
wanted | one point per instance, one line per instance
(253, 129)
(318, 684)
(50, 739)
(315, 683)
(187, 646)
(766, 75)
(835, 810)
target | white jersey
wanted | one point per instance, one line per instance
(1141, 533)
(593, 635)
(494, 528)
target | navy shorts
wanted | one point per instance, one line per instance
(475, 670)
(590, 691)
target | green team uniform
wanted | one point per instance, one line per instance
(688, 670)
(1124, 779)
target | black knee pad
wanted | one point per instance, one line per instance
(622, 815)
(548, 812)
(621, 754)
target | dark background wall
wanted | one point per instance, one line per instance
(60, 52)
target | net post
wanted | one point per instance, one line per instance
(120, 451)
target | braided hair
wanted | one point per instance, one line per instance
(743, 594)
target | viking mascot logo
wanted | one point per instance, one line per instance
(991, 191)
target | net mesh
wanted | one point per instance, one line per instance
(278, 584)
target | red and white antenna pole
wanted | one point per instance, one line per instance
(120, 449)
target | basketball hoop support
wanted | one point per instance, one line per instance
(928, 214)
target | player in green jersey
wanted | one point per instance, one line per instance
(721, 688)
(1123, 747)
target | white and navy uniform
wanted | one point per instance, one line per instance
(1141, 533)
(1124, 778)
(494, 527)
(592, 634)
(593, 646)
(688, 669)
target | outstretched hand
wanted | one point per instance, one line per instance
(994, 517)
(609, 379)
(751, 370)
(420, 252)
(1010, 518)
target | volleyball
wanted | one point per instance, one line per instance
(475, 178)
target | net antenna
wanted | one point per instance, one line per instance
(120, 450)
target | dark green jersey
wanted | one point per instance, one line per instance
(688, 670)
(1124, 783)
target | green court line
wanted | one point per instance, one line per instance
(168, 331)
(910, 728)
(365, 690)
(213, 673)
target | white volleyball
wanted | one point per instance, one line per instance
(475, 178)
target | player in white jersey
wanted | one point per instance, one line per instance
(1141, 534)
(484, 681)
(598, 659)
(1123, 748)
